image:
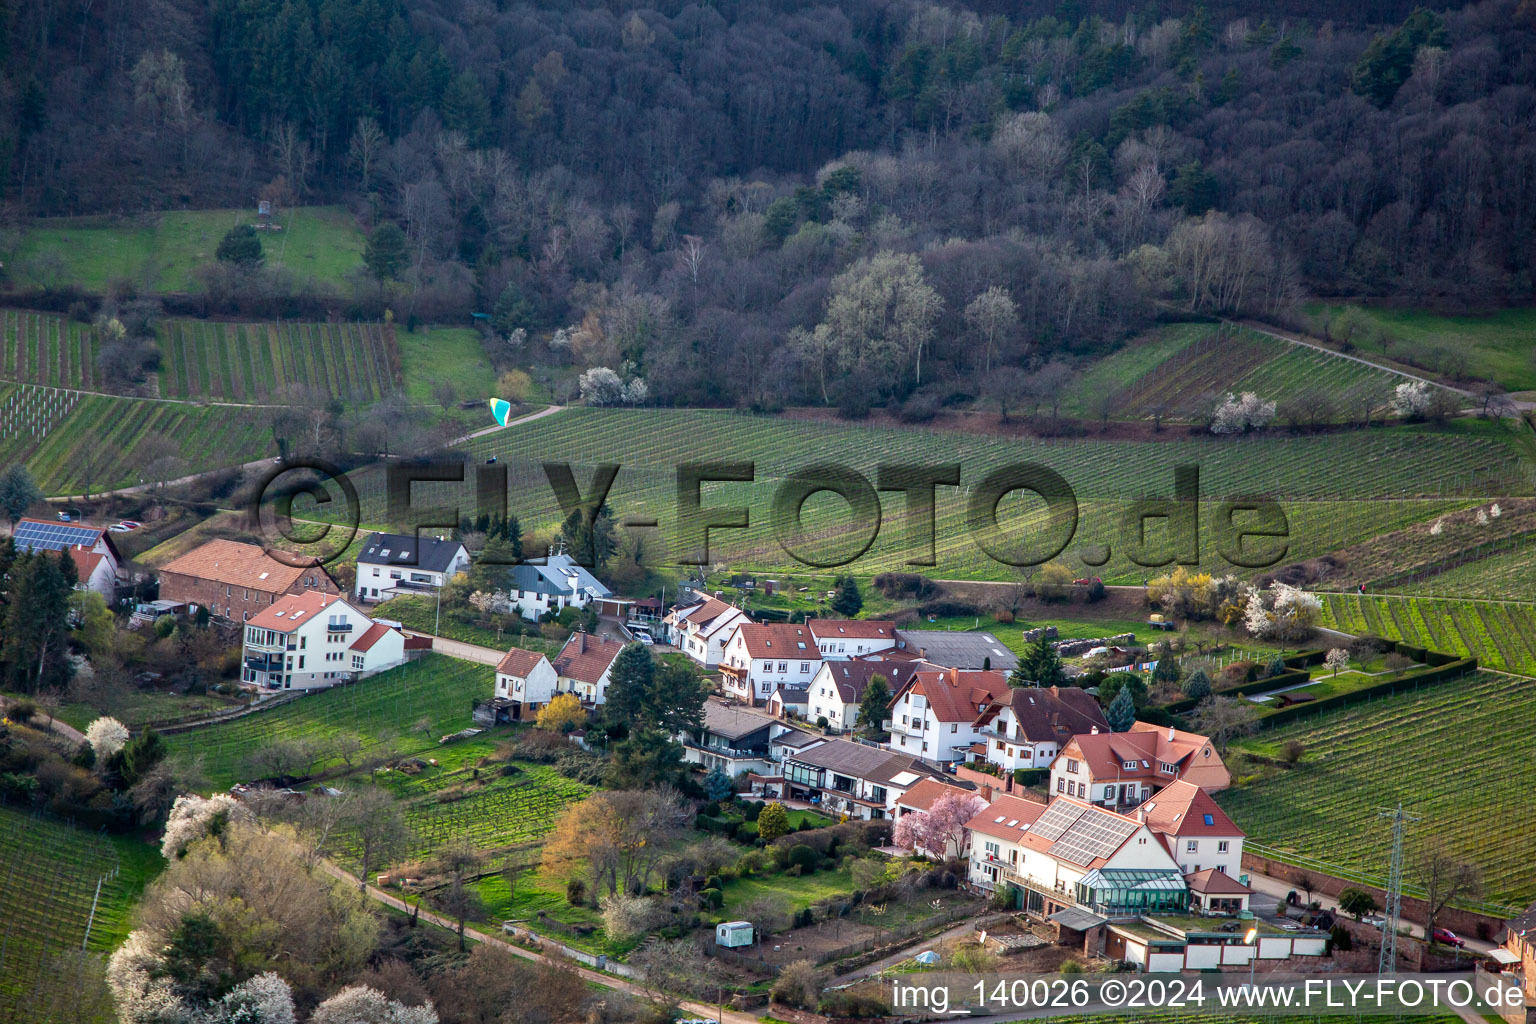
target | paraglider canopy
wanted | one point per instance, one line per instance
(501, 410)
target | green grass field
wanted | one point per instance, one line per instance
(1499, 635)
(383, 710)
(1457, 754)
(254, 362)
(1376, 480)
(433, 355)
(420, 613)
(1496, 347)
(1178, 371)
(48, 877)
(71, 441)
(160, 252)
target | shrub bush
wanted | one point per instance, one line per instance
(711, 899)
(804, 858)
(850, 1003)
(575, 892)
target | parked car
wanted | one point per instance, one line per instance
(645, 639)
(1086, 581)
(118, 528)
(1375, 920)
(65, 517)
(1446, 937)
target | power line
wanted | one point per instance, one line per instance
(1388, 961)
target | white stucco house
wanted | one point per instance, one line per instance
(838, 639)
(552, 584)
(760, 657)
(527, 681)
(702, 628)
(933, 716)
(397, 565)
(1028, 725)
(312, 641)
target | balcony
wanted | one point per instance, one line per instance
(1006, 872)
(732, 753)
(260, 664)
(338, 627)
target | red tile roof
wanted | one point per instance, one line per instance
(237, 565)
(766, 640)
(853, 629)
(85, 561)
(1180, 809)
(956, 695)
(585, 657)
(518, 662)
(372, 635)
(1216, 883)
(291, 612)
(1011, 809)
(922, 796)
(1107, 753)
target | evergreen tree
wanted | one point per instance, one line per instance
(847, 601)
(590, 539)
(629, 685)
(874, 703)
(18, 492)
(1167, 670)
(1122, 711)
(718, 785)
(647, 759)
(141, 754)
(1040, 666)
(385, 253)
(1198, 685)
(674, 701)
(35, 650)
(241, 246)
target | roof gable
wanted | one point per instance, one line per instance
(432, 554)
(1184, 809)
(585, 657)
(289, 613)
(518, 662)
(238, 565)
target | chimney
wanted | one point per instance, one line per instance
(1141, 815)
(1055, 690)
(954, 676)
(1095, 730)
(1170, 734)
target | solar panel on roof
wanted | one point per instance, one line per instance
(53, 536)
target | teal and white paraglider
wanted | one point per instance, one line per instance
(501, 410)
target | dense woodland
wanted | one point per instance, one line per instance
(758, 203)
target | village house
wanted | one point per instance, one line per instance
(235, 581)
(738, 739)
(583, 664)
(314, 640)
(549, 585)
(394, 564)
(91, 548)
(968, 649)
(760, 657)
(922, 797)
(525, 682)
(1027, 727)
(701, 629)
(837, 688)
(1516, 952)
(933, 715)
(839, 639)
(843, 777)
(1197, 832)
(1121, 770)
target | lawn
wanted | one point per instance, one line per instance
(1496, 346)
(161, 252)
(1379, 480)
(421, 613)
(404, 710)
(1457, 754)
(793, 894)
(137, 708)
(49, 873)
(430, 356)
(537, 895)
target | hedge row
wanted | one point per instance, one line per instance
(1452, 670)
(1305, 659)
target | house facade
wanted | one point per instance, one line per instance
(760, 657)
(97, 560)
(702, 628)
(583, 665)
(840, 639)
(837, 688)
(393, 564)
(739, 739)
(312, 641)
(236, 581)
(1516, 952)
(933, 715)
(1122, 770)
(552, 584)
(1197, 832)
(843, 777)
(527, 682)
(1028, 725)
(95, 572)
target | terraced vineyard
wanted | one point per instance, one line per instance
(1376, 481)
(72, 441)
(43, 348)
(406, 709)
(1502, 635)
(1458, 754)
(226, 362)
(1179, 372)
(48, 877)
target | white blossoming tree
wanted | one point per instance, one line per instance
(106, 736)
(359, 1004)
(1438, 528)
(191, 818)
(264, 999)
(1280, 613)
(1413, 399)
(1240, 415)
(602, 386)
(1337, 660)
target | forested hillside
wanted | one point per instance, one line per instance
(726, 196)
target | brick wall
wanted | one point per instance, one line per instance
(234, 604)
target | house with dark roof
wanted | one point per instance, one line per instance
(311, 641)
(837, 688)
(1516, 952)
(549, 585)
(583, 664)
(933, 714)
(1028, 725)
(737, 738)
(968, 649)
(1122, 769)
(525, 682)
(701, 628)
(396, 564)
(237, 581)
(843, 777)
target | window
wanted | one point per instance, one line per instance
(954, 728)
(301, 661)
(1128, 765)
(1061, 784)
(1191, 846)
(1071, 766)
(1210, 819)
(1221, 846)
(1000, 747)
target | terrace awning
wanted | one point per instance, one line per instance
(1503, 956)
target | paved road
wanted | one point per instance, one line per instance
(1270, 892)
(461, 650)
(606, 980)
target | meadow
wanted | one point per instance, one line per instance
(430, 356)
(1500, 634)
(73, 442)
(1493, 347)
(49, 871)
(254, 362)
(1411, 747)
(1374, 481)
(1178, 372)
(160, 252)
(404, 710)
